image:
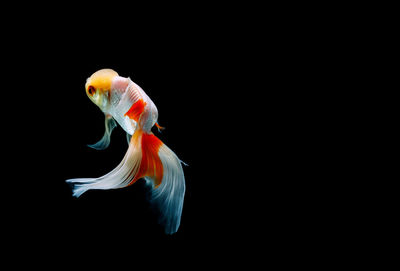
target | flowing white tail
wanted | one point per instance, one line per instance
(149, 158)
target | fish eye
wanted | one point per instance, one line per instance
(91, 90)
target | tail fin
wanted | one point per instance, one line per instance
(119, 177)
(147, 157)
(167, 198)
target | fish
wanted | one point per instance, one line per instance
(125, 103)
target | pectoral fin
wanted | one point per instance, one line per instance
(104, 142)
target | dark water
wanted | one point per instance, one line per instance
(54, 121)
(217, 120)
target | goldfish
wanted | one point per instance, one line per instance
(125, 103)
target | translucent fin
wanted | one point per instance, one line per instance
(160, 128)
(123, 175)
(168, 197)
(128, 138)
(147, 157)
(104, 142)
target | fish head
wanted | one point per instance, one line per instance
(98, 87)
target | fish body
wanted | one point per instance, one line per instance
(125, 103)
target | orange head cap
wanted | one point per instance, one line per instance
(98, 86)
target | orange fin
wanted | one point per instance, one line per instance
(136, 110)
(159, 127)
(150, 165)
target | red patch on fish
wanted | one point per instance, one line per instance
(150, 165)
(136, 110)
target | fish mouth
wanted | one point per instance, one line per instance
(100, 99)
(104, 100)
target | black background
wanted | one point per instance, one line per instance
(219, 91)
(245, 94)
(194, 78)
